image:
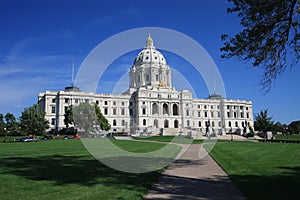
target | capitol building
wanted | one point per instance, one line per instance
(151, 105)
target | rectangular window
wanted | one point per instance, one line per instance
(76, 100)
(53, 100)
(187, 112)
(199, 114)
(219, 114)
(105, 103)
(228, 114)
(123, 103)
(122, 111)
(219, 124)
(130, 112)
(212, 114)
(97, 102)
(105, 111)
(147, 77)
(242, 115)
(156, 77)
(144, 111)
(53, 121)
(205, 113)
(114, 111)
(114, 103)
(247, 115)
(66, 100)
(53, 109)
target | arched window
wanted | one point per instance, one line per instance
(166, 124)
(199, 124)
(144, 122)
(175, 109)
(114, 122)
(229, 123)
(154, 108)
(188, 122)
(176, 123)
(156, 123)
(236, 124)
(165, 109)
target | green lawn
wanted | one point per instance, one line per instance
(63, 169)
(287, 137)
(261, 170)
(178, 139)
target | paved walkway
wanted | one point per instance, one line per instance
(190, 177)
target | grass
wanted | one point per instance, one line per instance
(178, 139)
(261, 170)
(64, 169)
(287, 137)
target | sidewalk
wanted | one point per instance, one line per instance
(190, 177)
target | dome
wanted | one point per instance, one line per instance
(149, 54)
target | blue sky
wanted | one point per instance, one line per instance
(39, 41)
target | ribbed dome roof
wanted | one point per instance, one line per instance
(149, 54)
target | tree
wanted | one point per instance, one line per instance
(69, 119)
(2, 124)
(85, 117)
(104, 124)
(269, 37)
(262, 121)
(32, 121)
(294, 127)
(11, 124)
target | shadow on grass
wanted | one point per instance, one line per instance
(281, 186)
(80, 170)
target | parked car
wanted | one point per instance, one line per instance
(47, 137)
(76, 136)
(65, 137)
(26, 139)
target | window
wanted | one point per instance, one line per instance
(199, 124)
(187, 112)
(236, 124)
(53, 121)
(114, 122)
(228, 107)
(219, 124)
(156, 77)
(241, 107)
(147, 77)
(175, 109)
(66, 108)
(213, 124)
(66, 100)
(123, 122)
(166, 124)
(114, 103)
(219, 114)
(228, 114)
(199, 114)
(130, 112)
(211, 107)
(105, 103)
(114, 111)
(76, 100)
(205, 113)
(53, 109)
(105, 111)
(130, 103)
(86, 100)
(144, 111)
(154, 108)
(199, 106)
(247, 115)
(212, 114)
(205, 107)
(242, 115)
(176, 123)
(123, 103)
(188, 122)
(97, 102)
(246, 108)
(53, 100)
(165, 109)
(234, 115)
(229, 124)
(144, 122)
(122, 111)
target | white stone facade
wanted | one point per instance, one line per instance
(151, 104)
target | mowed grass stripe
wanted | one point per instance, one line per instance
(64, 169)
(261, 170)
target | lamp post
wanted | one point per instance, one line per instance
(4, 135)
(231, 134)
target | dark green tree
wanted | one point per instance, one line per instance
(85, 117)
(263, 122)
(269, 37)
(12, 124)
(294, 127)
(277, 127)
(69, 119)
(32, 121)
(104, 124)
(2, 124)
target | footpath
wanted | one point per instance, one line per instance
(190, 177)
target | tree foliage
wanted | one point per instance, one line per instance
(263, 122)
(32, 121)
(104, 124)
(270, 36)
(12, 125)
(69, 119)
(2, 124)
